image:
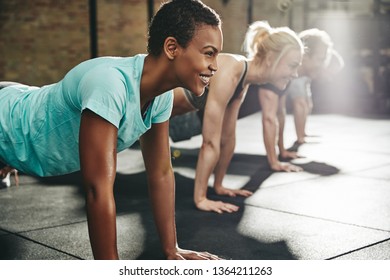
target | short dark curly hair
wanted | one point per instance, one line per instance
(179, 19)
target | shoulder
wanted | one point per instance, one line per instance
(230, 65)
(234, 60)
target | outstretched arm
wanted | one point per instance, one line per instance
(228, 143)
(219, 94)
(98, 139)
(273, 128)
(269, 105)
(285, 154)
(208, 156)
(156, 153)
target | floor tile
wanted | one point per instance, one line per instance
(342, 198)
(305, 237)
(17, 248)
(376, 251)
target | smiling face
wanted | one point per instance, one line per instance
(286, 69)
(196, 64)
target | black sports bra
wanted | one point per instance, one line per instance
(270, 87)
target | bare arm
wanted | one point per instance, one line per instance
(156, 153)
(273, 117)
(281, 113)
(269, 105)
(219, 94)
(281, 119)
(209, 151)
(97, 146)
(228, 143)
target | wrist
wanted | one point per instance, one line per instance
(273, 162)
(170, 250)
(198, 200)
(275, 165)
(199, 193)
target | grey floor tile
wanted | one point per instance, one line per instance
(17, 248)
(74, 238)
(283, 178)
(377, 251)
(380, 172)
(306, 238)
(342, 198)
(35, 206)
(342, 160)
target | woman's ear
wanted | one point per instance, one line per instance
(171, 47)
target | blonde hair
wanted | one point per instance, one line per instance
(261, 39)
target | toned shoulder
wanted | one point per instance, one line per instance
(231, 59)
(231, 64)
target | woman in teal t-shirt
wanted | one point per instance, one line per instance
(103, 106)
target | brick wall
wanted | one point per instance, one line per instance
(122, 27)
(42, 39)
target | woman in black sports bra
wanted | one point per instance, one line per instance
(274, 55)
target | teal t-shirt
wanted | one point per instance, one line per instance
(39, 127)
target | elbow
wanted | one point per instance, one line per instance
(161, 177)
(209, 146)
(269, 120)
(92, 193)
(99, 189)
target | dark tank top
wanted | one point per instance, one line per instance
(240, 85)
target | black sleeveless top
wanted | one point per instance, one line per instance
(240, 85)
(256, 87)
